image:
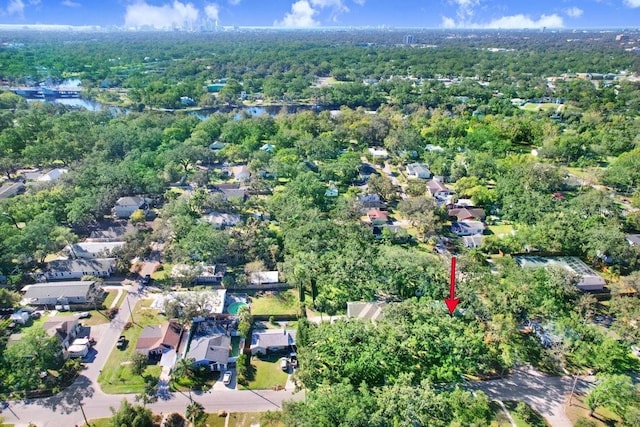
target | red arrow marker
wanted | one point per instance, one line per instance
(452, 301)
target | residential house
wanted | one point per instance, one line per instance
(241, 173)
(633, 239)
(62, 293)
(125, 206)
(111, 234)
(377, 217)
(264, 278)
(263, 341)
(371, 201)
(201, 274)
(418, 170)
(11, 189)
(231, 191)
(221, 220)
(438, 190)
(52, 175)
(588, 279)
(216, 146)
(332, 191)
(92, 250)
(212, 351)
(211, 301)
(378, 152)
(365, 171)
(64, 328)
(474, 241)
(77, 268)
(465, 214)
(468, 228)
(372, 311)
(155, 340)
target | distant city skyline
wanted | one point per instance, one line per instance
(166, 14)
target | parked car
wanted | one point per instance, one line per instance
(121, 342)
(284, 364)
(293, 359)
(92, 341)
(226, 378)
(84, 315)
(146, 279)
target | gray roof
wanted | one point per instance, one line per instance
(212, 348)
(273, 338)
(59, 289)
(131, 201)
(99, 264)
(633, 239)
(365, 310)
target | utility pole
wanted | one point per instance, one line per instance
(129, 305)
(84, 415)
(573, 389)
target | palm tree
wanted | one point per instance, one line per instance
(195, 413)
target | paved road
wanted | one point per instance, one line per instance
(544, 393)
(64, 408)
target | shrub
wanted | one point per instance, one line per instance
(583, 422)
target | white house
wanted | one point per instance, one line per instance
(77, 268)
(125, 206)
(62, 293)
(263, 277)
(378, 152)
(212, 351)
(92, 250)
(52, 175)
(201, 274)
(241, 173)
(221, 220)
(418, 170)
(266, 340)
(588, 279)
(468, 228)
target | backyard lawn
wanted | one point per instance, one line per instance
(265, 373)
(116, 376)
(248, 419)
(274, 303)
(602, 417)
(501, 230)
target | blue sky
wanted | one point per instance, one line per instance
(324, 13)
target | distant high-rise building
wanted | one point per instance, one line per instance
(409, 39)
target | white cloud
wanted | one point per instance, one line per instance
(574, 12)
(70, 3)
(523, 21)
(303, 12)
(632, 3)
(169, 15)
(448, 22)
(15, 7)
(212, 10)
(301, 15)
(508, 22)
(465, 9)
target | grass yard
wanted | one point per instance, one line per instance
(248, 419)
(99, 422)
(602, 417)
(273, 303)
(534, 418)
(116, 376)
(501, 230)
(265, 373)
(547, 106)
(213, 420)
(163, 272)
